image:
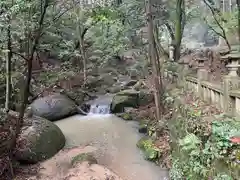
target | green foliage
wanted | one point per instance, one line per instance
(222, 177)
(176, 172)
(151, 152)
(190, 143)
(201, 146)
(228, 20)
(231, 20)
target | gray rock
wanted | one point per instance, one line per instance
(53, 107)
(145, 98)
(130, 98)
(39, 140)
(126, 98)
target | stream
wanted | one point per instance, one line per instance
(115, 141)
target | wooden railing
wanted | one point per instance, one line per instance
(225, 95)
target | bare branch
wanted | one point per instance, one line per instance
(218, 23)
(20, 55)
(169, 28)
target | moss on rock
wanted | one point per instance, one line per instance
(151, 152)
(39, 141)
(84, 157)
(125, 116)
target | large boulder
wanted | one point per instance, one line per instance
(126, 98)
(39, 140)
(53, 107)
(130, 98)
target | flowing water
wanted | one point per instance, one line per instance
(99, 109)
(114, 139)
(101, 105)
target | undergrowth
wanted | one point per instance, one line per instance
(202, 147)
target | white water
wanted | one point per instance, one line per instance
(101, 105)
(115, 140)
(99, 109)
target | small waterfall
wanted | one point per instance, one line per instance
(99, 109)
(101, 105)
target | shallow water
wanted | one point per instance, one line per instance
(116, 141)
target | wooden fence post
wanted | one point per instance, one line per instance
(230, 82)
(202, 75)
(183, 71)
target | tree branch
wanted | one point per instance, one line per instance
(218, 33)
(218, 23)
(169, 28)
(20, 55)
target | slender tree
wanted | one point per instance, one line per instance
(238, 6)
(179, 27)
(8, 65)
(154, 61)
(44, 6)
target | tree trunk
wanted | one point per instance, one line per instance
(29, 68)
(8, 67)
(80, 35)
(152, 57)
(82, 49)
(179, 28)
(238, 6)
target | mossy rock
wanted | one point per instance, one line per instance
(125, 116)
(39, 141)
(84, 157)
(151, 152)
(126, 98)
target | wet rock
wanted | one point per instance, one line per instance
(53, 107)
(130, 98)
(39, 140)
(126, 98)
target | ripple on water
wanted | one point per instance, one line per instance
(115, 140)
